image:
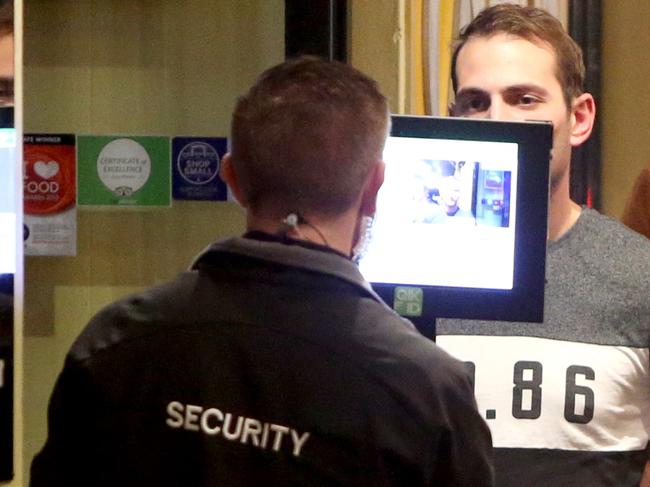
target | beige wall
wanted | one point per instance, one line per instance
(374, 38)
(625, 104)
(129, 67)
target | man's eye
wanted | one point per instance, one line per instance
(470, 105)
(477, 104)
(528, 100)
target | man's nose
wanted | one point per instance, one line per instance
(497, 110)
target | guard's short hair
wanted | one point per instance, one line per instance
(305, 137)
(534, 25)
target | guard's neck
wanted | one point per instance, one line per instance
(336, 233)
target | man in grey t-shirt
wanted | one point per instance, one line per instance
(568, 400)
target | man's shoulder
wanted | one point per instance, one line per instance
(596, 291)
(135, 316)
(601, 228)
(599, 241)
(393, 351)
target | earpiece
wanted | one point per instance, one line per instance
(292, 220)
(289, 224)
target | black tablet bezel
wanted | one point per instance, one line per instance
(525, 301)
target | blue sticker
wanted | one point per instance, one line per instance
(195, 168)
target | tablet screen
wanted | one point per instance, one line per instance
(439, 198)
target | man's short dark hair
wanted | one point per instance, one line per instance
(305, 137)
(534, 25)
(6, 17)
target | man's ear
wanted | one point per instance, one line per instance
(583, 114)
(373, 183)
(227, 173)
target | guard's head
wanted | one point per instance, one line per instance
(305, 138)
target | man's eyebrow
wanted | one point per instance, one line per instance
(525, 87)
(470, 91)
(519, 88)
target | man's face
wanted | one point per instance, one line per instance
(509, 78)
(449, 189)
(6, 69)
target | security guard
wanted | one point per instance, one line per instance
(272, 362)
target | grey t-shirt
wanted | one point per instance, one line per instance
(568, 400)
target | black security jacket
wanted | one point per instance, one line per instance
(266, 364)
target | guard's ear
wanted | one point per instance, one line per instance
(229, 176)
(373, 182)
(583, 114)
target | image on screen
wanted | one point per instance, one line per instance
(445, 214)
(7, 202)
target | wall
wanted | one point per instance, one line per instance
(625, 104)
(138, 67)
(374, 44)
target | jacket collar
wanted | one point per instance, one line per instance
(296, 256)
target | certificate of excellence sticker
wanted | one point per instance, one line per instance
(124, 166)
(195, 169)
(121, 170)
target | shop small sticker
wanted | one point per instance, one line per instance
(198, 163)
(195, 168)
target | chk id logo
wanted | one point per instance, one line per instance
(408, 301)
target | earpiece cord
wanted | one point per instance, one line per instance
(292, 222)
(320, 234)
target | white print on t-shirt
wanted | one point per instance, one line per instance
(543, 393)
(232, 427)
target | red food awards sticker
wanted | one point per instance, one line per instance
(49, 189)
(49, 175)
